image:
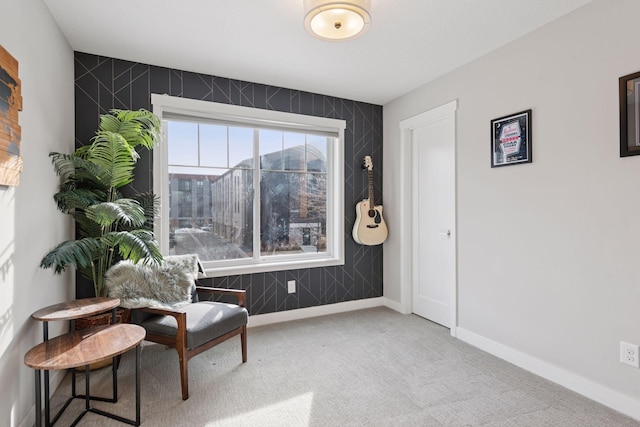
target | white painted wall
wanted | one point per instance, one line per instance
(548, 264)
(30, 223)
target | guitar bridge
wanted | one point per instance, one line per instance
(372, 225)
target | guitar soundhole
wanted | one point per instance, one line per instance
(377, 218)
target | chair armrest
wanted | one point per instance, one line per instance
(176, 313)
(240, 294)
(166, 311)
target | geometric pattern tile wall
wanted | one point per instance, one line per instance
(103, 83)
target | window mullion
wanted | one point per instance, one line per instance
(199, 160)
(256, 196)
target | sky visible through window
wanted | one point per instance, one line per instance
(208, 146)
(205, 146)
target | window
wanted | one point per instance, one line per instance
(249, 190)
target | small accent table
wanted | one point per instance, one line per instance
(81, 348)
(75, 309)
(72, 310)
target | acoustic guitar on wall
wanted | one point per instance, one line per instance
(369, 228)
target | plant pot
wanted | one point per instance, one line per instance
(123, 315)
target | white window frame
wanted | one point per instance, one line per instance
(165, 104)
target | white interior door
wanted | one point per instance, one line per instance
(433, 220)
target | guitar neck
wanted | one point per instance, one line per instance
(371, 202)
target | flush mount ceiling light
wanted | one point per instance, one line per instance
(337, 20)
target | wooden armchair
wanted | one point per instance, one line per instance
(196, 327)
(165, 301)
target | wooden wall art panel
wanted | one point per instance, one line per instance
(10, 104)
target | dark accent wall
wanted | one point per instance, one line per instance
(103, 83)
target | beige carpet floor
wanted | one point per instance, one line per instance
(372, 367)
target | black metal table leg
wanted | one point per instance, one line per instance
(114, 378)
(47, 411)
(38, 401)
(138, 365)
(87, 395)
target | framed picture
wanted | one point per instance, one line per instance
(511, 139)
(629, 93)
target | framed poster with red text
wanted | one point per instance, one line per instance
(511, 139)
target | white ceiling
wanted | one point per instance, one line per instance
(410, 42)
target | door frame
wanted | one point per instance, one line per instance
(407, 126)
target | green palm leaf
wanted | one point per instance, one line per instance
(86, 227)
(136, 127)
(115, 158)
(65, 165)
(151, 205)
(134, 245)
(125, 211)
(77, 172)
(71, 199)
(77, 253)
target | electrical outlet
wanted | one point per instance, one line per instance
(292, 286)
(629, 354)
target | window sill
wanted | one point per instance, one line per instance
(268, 267)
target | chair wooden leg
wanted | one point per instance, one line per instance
(243, 340)
(184, 374)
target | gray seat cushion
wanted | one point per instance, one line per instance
(206, 321)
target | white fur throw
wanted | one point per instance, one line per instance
(166, 285)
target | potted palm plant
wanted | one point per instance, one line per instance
(109, 226)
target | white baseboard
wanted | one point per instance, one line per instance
(393, 305)
(321, 310)
(581, 385)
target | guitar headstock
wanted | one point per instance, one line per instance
(368, 163)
